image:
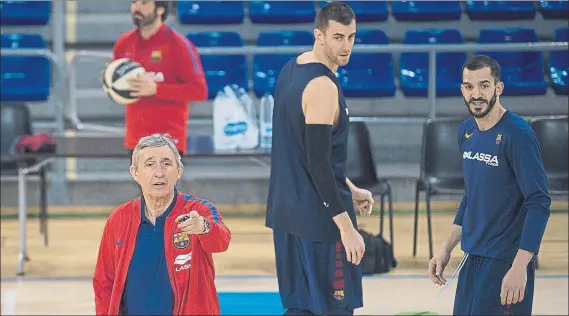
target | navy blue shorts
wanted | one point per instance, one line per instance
(315, 277)
(479, 286)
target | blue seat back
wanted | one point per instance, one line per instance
(426, 10)
(448, 63)
(500, 10)
(25, 12)
(554, 9)
(559, 58)
(367, 11)
(282, 11)
(370, 60)
(221, 70)
(517, 65)
(210, 12)
(280, 38)
(368, 75)
(24, 78)
(267, 67)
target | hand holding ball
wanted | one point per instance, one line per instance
(116, 78)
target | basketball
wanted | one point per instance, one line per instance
(115, 79)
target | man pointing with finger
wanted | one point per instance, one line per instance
(155, 255)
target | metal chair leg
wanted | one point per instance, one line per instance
(416, 219)
(381, 213)
(428, 198)
(43, 205)
(391, 234)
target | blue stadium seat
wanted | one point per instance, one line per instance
(24, 78)
(426, 10)
(25, 12)
(210, 12)
(266, 67)
(414, 67)
(554, 9)
(500, 10)
(558, 66)
(522, 71)
(277, 12)
(367, 11)
(222, 70)
(368, 75)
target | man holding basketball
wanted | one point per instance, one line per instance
(502, 217)
(155, 255)
(174, 75)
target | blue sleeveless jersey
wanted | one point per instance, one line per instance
(293, 203)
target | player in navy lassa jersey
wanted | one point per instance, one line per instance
(310, 205)
(502, 217)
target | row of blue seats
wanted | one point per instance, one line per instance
(27, 78)
(279, 12)
(271, 12)
(373, 74)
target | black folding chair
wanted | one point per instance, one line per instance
(553, 139)
(441, 168)
(552, 136)
(16, 122)
(361, 171)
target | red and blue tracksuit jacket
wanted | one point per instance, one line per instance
(192, 280)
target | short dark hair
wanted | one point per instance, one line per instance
(482, 61)
(165, 5)
(334, 11)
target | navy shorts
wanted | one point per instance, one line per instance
(479, 286)
(315, 277)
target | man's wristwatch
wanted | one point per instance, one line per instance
(206, 226)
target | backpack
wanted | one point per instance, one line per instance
(378, 256)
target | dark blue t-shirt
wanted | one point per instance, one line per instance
(507, 204)
(293, 204)
(148, 290)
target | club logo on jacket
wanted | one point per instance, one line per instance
(156, 56)
(498, 139)
(181, 240)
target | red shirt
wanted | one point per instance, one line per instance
(175, 65)
(192, 280)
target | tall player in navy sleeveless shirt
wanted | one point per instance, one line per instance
(502, 217)
(310, 205)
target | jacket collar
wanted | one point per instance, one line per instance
(141, 205)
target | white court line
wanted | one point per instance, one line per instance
(10, 303)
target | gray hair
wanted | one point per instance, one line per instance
(156, 140)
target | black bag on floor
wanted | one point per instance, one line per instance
(378, 257)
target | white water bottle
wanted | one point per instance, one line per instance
(266, 121)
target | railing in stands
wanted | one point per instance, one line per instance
(71, 109)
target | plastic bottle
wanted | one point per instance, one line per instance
(266, 121)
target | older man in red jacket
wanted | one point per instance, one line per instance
(174, 75)
(155, 255)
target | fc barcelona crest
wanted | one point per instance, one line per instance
(498, 139)
(156, 56)
(181, 240)
(339, 295)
